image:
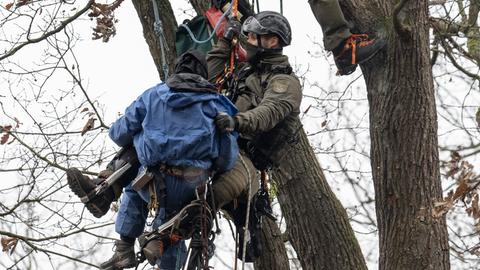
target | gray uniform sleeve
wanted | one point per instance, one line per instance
(282, 96)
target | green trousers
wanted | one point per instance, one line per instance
(330, 17)
(234, 184)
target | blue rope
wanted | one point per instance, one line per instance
(192, 36)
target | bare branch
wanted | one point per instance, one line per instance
(63, 24)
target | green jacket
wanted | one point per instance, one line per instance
(268, 98)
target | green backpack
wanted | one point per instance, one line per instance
(200, 29)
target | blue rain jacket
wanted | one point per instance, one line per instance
(173, 123)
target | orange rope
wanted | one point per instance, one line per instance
(352, 42)
(230, 66)
(235, 8)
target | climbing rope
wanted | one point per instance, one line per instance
(247, 218)
(158, 29)
(192, 36)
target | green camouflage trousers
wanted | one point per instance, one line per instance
(330, 17)
(234, 184)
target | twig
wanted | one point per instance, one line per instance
(456, 64)
(63, 24)
(35, 153)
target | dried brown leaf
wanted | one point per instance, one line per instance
(324, 123)
(461, 190)
(5, 128)
(9, 244)
(9, 6)
(441, 208)
(475, 212)
(84, 110)
(455, 156)
(6, 135)
(23, 2)
(4, 138)
(88, 126)
(453, 166)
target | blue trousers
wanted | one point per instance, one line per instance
(132, 214)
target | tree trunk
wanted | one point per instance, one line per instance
(274, 253)
(169, 24)
(403, 130)
(317, 223)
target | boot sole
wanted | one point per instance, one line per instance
(120, 265)
(72, 178)
(151, 256)
(373, 54)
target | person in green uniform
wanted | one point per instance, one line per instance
(266, 92)
(267, 95)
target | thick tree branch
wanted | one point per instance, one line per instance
(437, 2)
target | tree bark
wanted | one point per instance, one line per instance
(317, 223)
(169, 24)
(274, 253)
(403, 130)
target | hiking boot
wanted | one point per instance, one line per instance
(356, 49)
(153, 249)
(124, 257)
(81, 185)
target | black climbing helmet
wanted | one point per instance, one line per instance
(269, 22)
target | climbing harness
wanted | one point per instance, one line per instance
(158, 28)
(231, 64)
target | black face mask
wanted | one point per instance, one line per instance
(253, 52)
(256, 53)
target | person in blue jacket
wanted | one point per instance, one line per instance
(172, 129)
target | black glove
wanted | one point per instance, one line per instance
(225, 122)
(232, 29)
